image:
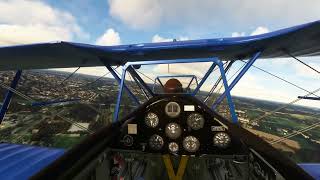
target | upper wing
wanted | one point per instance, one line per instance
(302, 40)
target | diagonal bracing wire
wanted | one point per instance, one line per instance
(221, 86)
(145, 75)
(98, 79)
(139, 85)
(218, 81)
(16, 92)
(312, 68)
(69, 76)
(282, 79)
(308, 128)
(284, 106)
(29, 99)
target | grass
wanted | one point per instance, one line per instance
(65, 141)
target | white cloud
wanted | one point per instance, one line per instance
(110, 37)
(158, 38)
(23, 21)
(136, 13)
(257, 31)
(141, 14)
(260, 30)
(238, 34)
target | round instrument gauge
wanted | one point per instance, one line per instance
(173, 147)
(127, 140)
(156, 142)
(172, 109)
(173, 130)
(195, 121)
(221, 140)
(151, 120)
(191, 144)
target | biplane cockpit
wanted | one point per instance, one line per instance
(173, 135)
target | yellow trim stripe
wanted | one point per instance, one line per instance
(181, 168)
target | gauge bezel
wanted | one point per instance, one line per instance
(173, 144)
(146, 120)
(197, 144)
(171, 113)
(156, 148)
(191, 119)
(169, 133)
(224, 144)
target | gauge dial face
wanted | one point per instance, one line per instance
(195, 121)
(151, 120)
(127, 140)
(172, 109)
(173, 130)
(173, 147)
(156, 142)
(221, 140)
(191, 144)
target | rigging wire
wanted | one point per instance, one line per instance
(16, 92)
(65, 119)
(132, 86)
(312, 68)
(308, 128)
(70, 75)
(218, 81)
(282, 79)
(139, 85)
(284, 106)
(89, 83)
(31, 100)
(221, 86)
(97, 79)
(145, 75)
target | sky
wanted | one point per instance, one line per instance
(114, 22)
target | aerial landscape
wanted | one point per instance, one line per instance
(62, 125)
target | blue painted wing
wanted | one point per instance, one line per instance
(312, 168)
(22, 161)
(302, 40)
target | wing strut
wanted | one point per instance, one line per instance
(310, 98)
(237, 78)
(217, 82)
(9, 95)
(122, 85)
(140, 80)
(215, 61)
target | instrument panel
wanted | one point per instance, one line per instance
(177, 125)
